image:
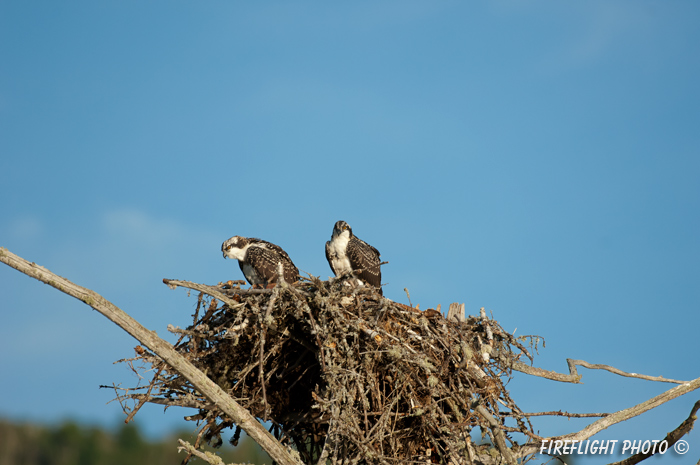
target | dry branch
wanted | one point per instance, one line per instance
(622, 415)
(670, 439)
(572, 368)
(575, 377)
(634, 411)
(547, 374)
(160, 347)
(213, 459)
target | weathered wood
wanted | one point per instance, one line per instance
(163, 349)
(456, 312)
(540, 372)
(575, 377)
(596, 366)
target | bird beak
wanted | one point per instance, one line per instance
(224, 253)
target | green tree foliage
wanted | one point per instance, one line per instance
(72, 444)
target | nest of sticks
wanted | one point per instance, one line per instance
(346, 375)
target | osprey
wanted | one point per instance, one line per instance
(260, 261)
(347, 253)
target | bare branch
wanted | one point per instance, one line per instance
(575, 377)
(621, 415)
(671, 438)
(213, 459)
(572, 368)
(189, 403)
(141, 402)
(211, 290)
(631, 412)
(160, 347)
(534, 371)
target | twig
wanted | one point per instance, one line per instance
(189, 403)
(143, 401)
(209, 290)
(206, 456)
(161, 348)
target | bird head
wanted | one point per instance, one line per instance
(234, 247)
(340, 227)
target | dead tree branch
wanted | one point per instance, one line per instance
(572, 368)
(160, 347)
(671, 438)
(211, 290)
(209, 457)
(547, 374)
(634, 411)
(575, 377)
(622, 415)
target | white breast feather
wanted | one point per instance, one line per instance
(340, 260)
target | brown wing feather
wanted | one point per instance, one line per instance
(365, 258)
(265, 260)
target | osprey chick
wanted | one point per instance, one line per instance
(260, 260)
(347, 253)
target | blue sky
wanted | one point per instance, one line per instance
(539, 159)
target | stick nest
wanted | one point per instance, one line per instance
(346, 375)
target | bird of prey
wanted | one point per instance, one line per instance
(260, 261)
(347, 253)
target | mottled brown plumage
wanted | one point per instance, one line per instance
(260, 260)
(347, 253)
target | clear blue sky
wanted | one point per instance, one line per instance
(539, 159)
